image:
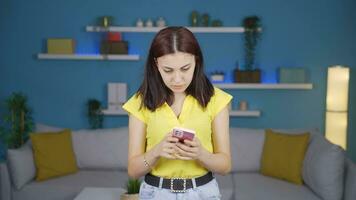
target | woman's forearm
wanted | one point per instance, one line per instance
(216, 162)
(137, 166)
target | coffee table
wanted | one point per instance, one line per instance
(96, 193)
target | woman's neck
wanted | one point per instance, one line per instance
(179, 96)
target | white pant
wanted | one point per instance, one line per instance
(209, 191)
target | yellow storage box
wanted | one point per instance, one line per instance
(60, 46)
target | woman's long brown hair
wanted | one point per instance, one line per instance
(153, 91)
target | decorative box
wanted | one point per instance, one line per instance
(108, 47)
(60, 46)
(114, 36)
(291, 75)
(120, 47)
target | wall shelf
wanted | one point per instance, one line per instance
(86, 57)
(156, 29)
(290, 86)
(235, 113)
(247, 113)
(114, 112)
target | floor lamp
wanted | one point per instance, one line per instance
(336, 105)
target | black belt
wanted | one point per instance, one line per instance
(178, 184)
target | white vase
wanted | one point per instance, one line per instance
(149, 23)
(160, 22)
(139, 23)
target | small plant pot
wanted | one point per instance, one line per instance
(247, 76)
(129, 197)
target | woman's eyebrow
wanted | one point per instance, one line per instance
(180, 67)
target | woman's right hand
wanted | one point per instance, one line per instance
(167, 147)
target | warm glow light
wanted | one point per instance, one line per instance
(337, 89)
(336, 128)
(336, 105)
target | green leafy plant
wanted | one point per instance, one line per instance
(95, 115)
(18, 121)
(252, 34)
(133, 186)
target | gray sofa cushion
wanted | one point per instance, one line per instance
(101, 148)
(254, 186)
(323, 168)
(247, 145)
(226, 186)
(350, 191)
(39, 127)
(246, 149)
(21, 165)
(67, 187)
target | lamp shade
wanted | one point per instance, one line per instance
(337, 89)
(336, 128)
(336, 105)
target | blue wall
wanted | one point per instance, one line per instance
(310, 34)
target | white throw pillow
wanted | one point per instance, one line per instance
(101, 148)
(21, 165)
(323, 168)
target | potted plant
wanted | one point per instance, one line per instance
(133, 188)
(252, 34)
(95, 115)
(18, 121)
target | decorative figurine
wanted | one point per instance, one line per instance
(205, 19)
(216, 23)
(139, 22)
(106, 21)
(194, 18)
(149, 23)
(160, 22)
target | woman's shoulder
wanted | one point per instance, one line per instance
(135, 98)
(219, 98)
(135, 101)
(218, 93)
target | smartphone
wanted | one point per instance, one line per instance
(183, 134)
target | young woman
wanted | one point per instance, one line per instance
(176, 93)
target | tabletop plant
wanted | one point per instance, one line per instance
(133, 189)
(252, 34)
(95, 115)
(18, 121)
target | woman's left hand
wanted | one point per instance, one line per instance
(189, 150)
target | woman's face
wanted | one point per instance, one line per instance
(176, 70)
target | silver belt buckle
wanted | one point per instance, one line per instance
(179, 180)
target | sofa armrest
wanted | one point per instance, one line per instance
(5, 183)
(350, 180)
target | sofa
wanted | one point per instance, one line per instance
(101, 157)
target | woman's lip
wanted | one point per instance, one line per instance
(177, 86)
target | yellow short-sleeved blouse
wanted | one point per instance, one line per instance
(192, 116)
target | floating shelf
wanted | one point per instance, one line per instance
(236, 113)
(291, 86)
(156, 29)
(247, 113)
(114, 112)
(87, 57)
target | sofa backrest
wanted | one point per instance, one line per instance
(323, 165)
(246, 148)
(247, 145)
(101, 148)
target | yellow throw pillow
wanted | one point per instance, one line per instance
(53, 154)
(283, 155)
